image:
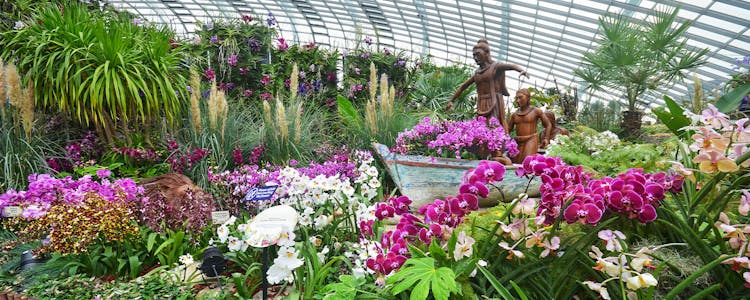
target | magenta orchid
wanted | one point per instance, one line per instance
(455, 137)
(570, 190)
(440, 219)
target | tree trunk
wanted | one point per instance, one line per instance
(631, 124)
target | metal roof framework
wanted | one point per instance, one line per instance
(546, 37)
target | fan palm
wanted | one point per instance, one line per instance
(634, 58)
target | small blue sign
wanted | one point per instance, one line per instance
(260, 193)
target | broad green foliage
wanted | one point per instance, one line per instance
(433, 90)
(79, 69)
(674, 118)
(422, 278)
(346, 288)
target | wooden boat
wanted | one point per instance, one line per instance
(424, 178)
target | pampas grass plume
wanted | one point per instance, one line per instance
(281, 121)
(195, 108)
(14, 85)
(294, 81)
(27, 109)
(222, 108)
(373, 81)
(213, 106)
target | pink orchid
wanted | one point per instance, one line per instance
(714, 118)
(744, 202)
(477, 188)
(708, 139)
(512, 252)
(550, 246)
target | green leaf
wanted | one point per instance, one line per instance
(135, 266)
(674, 118)
(348, 113)
(422, 271)
(730, 101)
(505, 293)
(438, 253)
(519, 291)
(345, 289)
(415, 251)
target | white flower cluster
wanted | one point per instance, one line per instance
(284, 265)
(623, 266)
(602, 141)
(319, 199)
(247, 236)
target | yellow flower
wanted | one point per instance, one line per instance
(711, 161)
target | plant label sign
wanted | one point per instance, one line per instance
(12, 211)
(219, 216)
(260, 193)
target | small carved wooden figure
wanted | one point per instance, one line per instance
(556, 130)
(524, 120)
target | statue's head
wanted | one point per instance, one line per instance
(551, 117)
(522, 97)
(481, 51)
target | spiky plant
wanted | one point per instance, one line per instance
(195, 108)
(291, 130)
(26, 109)
(111, 83)
(2, 90)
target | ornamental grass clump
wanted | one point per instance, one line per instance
(455, 138)
(2, 91)
(291, 129)
(195, 96)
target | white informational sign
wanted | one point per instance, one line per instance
(270, 224)
(219, 216)
(12, 211)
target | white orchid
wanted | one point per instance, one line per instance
(186, 259)
(464, 246)
(641, 281)
(223, 232)
(599, 288)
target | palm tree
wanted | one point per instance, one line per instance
(635, 57)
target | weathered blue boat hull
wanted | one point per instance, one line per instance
(424, 178)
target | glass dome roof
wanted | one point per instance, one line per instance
(547, 38)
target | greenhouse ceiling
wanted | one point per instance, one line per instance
(548, 38)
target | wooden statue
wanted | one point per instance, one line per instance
(556, 130)
(524, 120)
(490, 81)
